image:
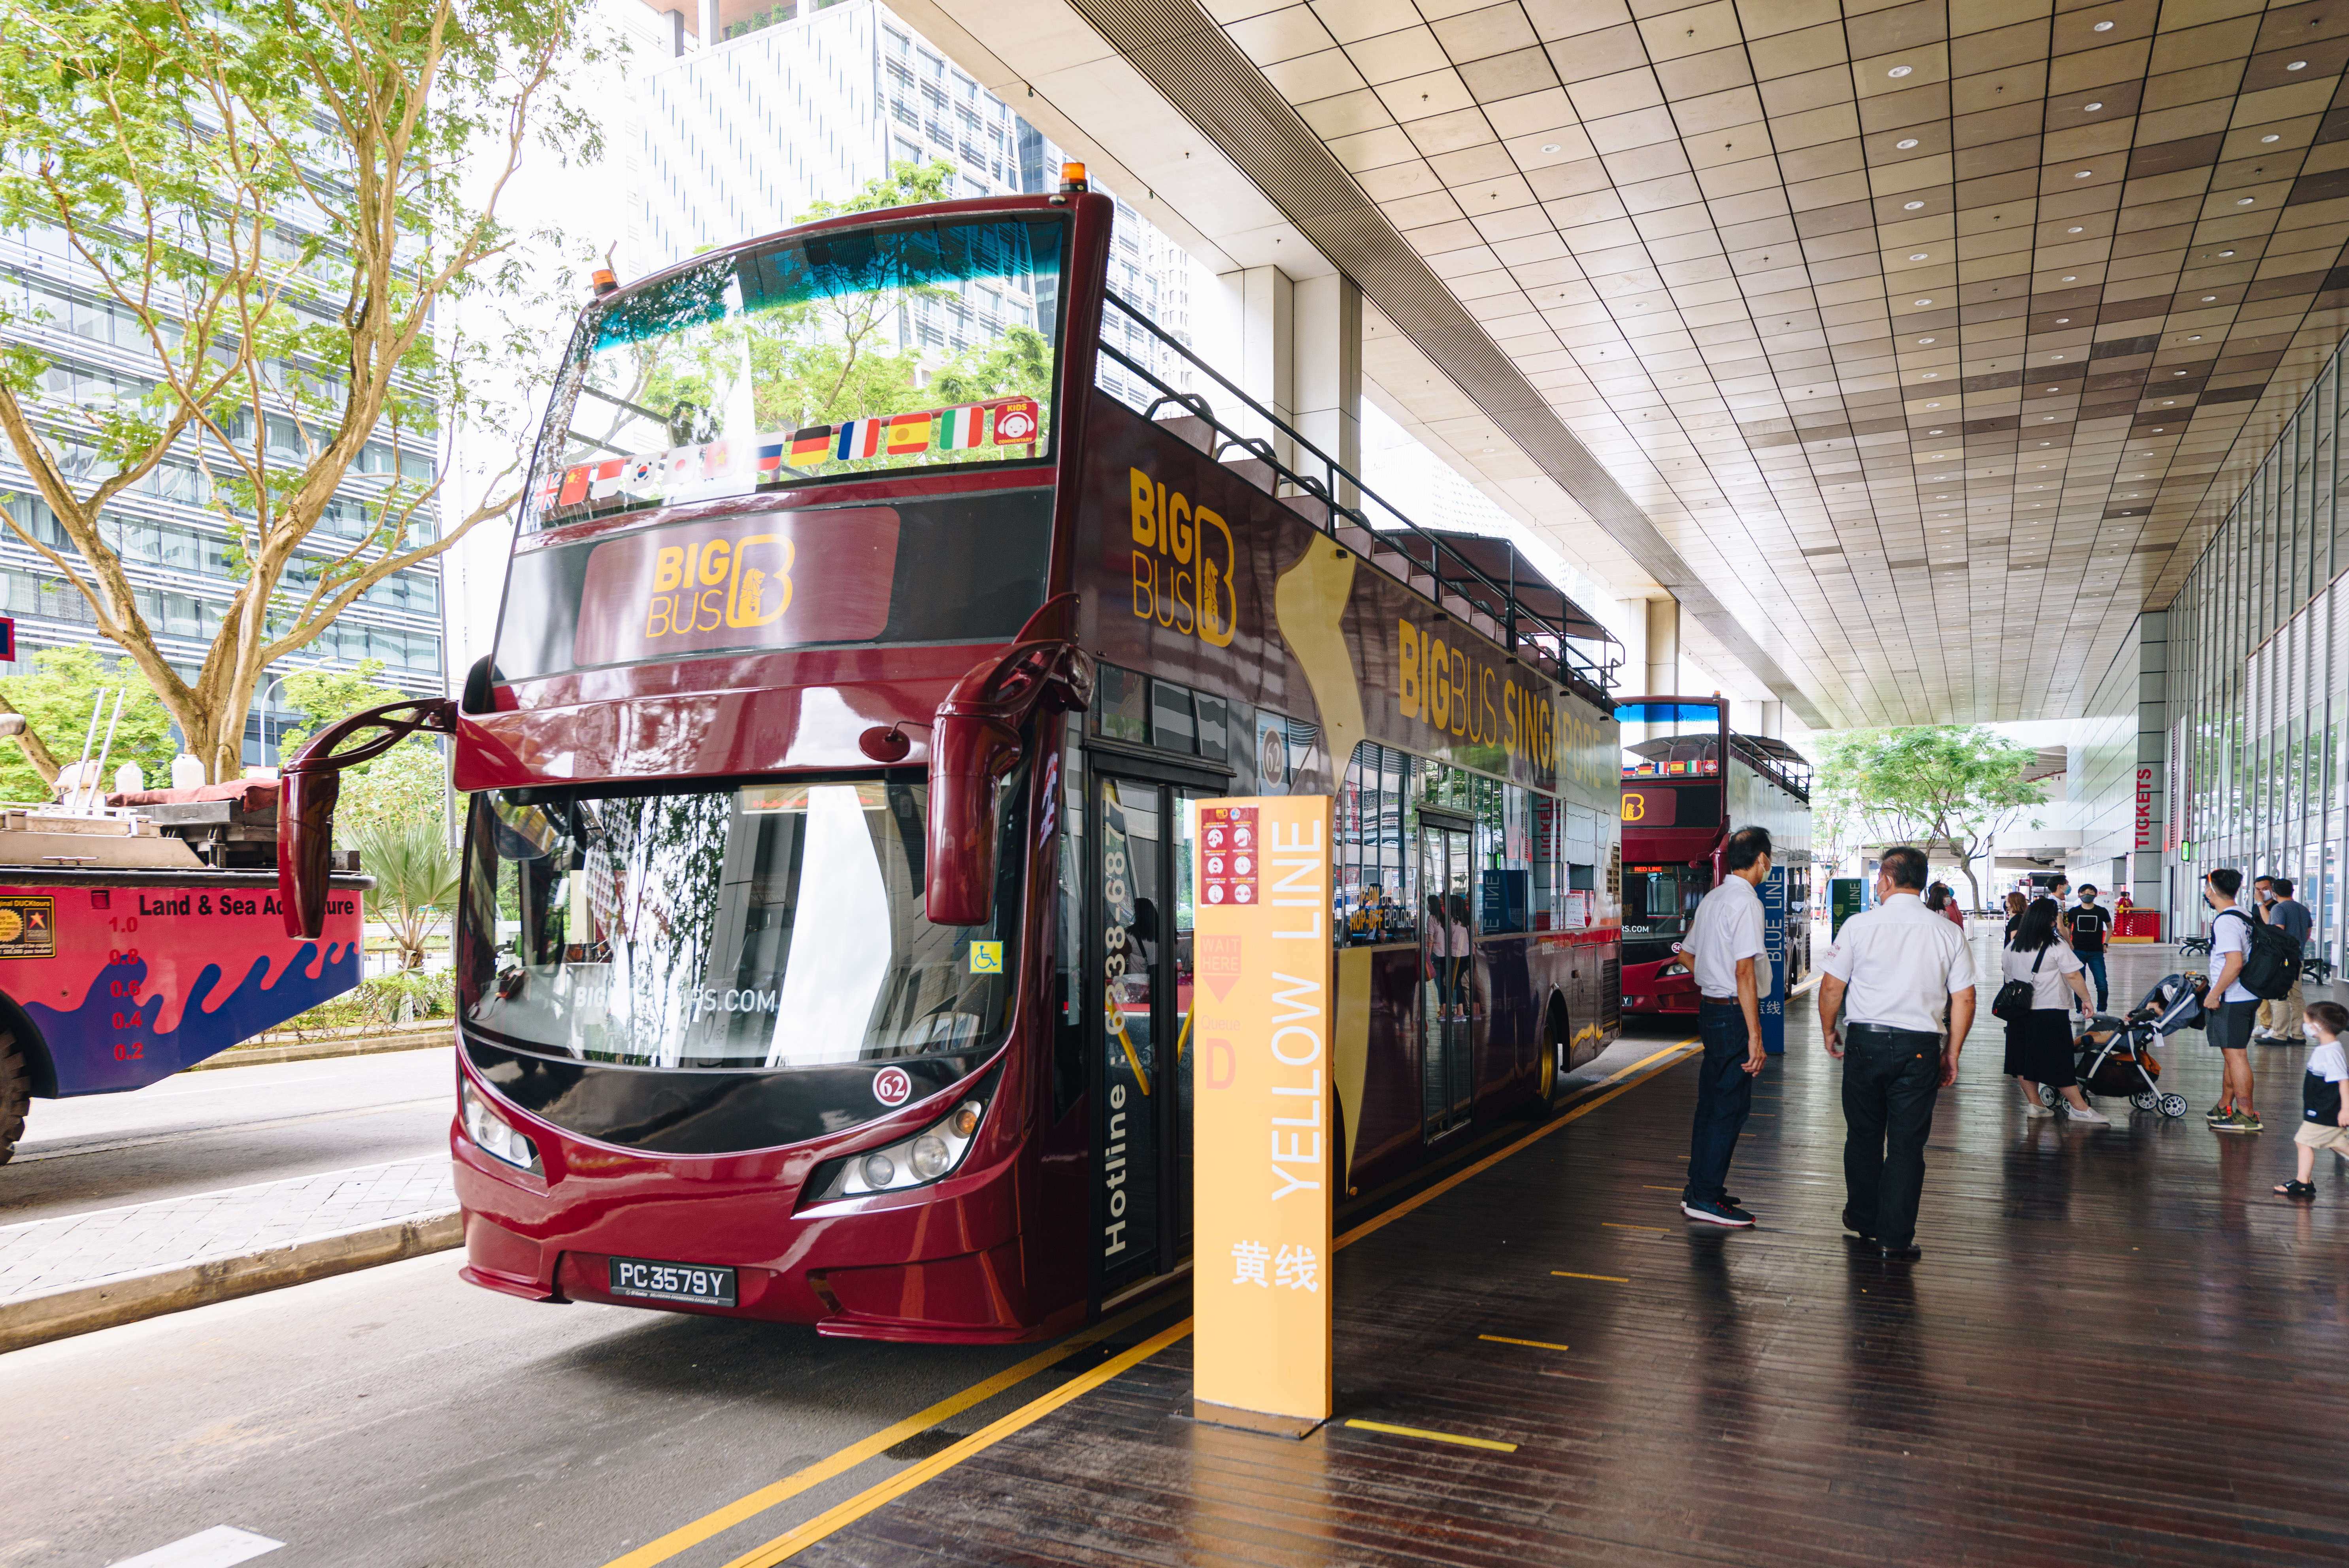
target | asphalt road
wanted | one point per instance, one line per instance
(200, 1132)
(397, 1418)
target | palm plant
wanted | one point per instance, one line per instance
(415, 876)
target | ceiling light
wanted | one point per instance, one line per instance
(1910, 206)
(2084, 174)
(1924, 340)
(2169, 402)
(2208, 299)
(2194, 337)
(2297, 66)
(2177, 372)
(2063, 321)
(2071, 277)
(1924, 302)
(1550, 147)
(1934, 432)
(1934, 406)
(2104, 27)
(2092, 108)
(2271, 136)
(2059, 357)
(2045, 443)
(2226, 252)
(1905, 143)
(1918, 256)
(2244, 200)
(2075, 231)
(1898, 71)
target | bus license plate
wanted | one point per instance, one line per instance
(703, 1284)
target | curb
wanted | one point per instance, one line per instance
(316, 1050)
(84, 1309)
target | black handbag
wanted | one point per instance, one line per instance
(2014, 1000)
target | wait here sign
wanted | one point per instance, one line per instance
(1264, 1146)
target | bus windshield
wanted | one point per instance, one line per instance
(821, 356)
(1669, 739)
(663, 931)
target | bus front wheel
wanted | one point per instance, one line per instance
(16, 1093)
(1557, 1040)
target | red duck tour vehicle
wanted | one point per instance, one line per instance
(1690, 781)
(142, 933)
(825, 948)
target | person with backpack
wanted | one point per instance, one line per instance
(2230, 1002)
(2291, 916)
(2037, 970)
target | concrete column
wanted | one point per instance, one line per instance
(1325, 360)
(2149, 783)
(1773, 719)
(1266, 351)
(1663, 647)
(676, 20)
(709, 25)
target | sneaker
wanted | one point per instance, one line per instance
(2262, 1033)
(2287, 1039)
(2031, 1107)
(2092, 1115)
(1718, 1215)
(2236, 1121)
(2214, 1115)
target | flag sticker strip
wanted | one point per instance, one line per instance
(811, 446)
(961, 427)
(909, 433)
(859, 439)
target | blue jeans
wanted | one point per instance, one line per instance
(1725, 1094)
(2094, 962)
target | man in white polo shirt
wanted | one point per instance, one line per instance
(1891, 974)
(1724, 943)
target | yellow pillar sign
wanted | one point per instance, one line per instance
(1264, 1142)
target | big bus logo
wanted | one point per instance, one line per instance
(706, 584)
(1179, 580)
(1635, 807)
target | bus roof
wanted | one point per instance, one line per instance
(1500, 563)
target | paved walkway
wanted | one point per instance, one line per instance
(44, 1257)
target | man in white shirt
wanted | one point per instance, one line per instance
(2230, 1003)
(1723, 947)
(1890, 975)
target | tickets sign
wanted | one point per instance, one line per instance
(1263, 1166)
(766, 579)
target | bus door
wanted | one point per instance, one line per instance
(1140, 1046)
(1447, 927)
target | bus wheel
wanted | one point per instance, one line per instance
(1556, 1039)
(15, 1094)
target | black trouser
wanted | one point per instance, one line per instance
(1724, 1094)
(1890, 1078)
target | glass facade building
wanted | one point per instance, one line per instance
(2257, 680)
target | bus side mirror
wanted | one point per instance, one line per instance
(975, 742)
(306, 793)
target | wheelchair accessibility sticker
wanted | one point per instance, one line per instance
(987, 958)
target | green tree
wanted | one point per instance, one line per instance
(408, 784)
(1944, 786)
(281, 205)
(56, 698)
(415, 876)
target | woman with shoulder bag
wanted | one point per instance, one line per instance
(2039, 1050)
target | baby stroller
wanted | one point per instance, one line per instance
(2116, 1053)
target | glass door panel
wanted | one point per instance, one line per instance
(1446, 962)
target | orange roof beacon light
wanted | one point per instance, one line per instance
(1072, 179)
(606, 282)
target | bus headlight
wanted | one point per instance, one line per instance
(926, 1156)
(490, 1134)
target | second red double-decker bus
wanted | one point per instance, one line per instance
(1690, 781)
(825, 950)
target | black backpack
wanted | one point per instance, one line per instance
(2271, 967)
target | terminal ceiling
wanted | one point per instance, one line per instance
(1915, 347)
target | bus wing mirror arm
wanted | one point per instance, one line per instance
(977, 738)
(306, 799)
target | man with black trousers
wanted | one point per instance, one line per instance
(2090, 925)
(1892, 975)
(1725, 944)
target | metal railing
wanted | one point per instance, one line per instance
(1522, 631)
(1778, 768)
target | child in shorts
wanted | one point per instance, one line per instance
(2325, 1111)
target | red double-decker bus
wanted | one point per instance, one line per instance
(1690, 781)
(825, 953)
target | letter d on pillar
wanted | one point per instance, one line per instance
(1265, 1150)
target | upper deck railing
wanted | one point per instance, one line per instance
(1314, 489)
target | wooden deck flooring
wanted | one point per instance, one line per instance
(2119, 1348)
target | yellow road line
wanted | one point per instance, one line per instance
(807, 1534)
(912, 1476)
(1537, 1343)
(1423, 1432)
(687, 1536)
(1569, 1273)
(1651, 1187)
(1613, 1226)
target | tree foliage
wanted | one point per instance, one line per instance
(415, 876)
(277, 206)
(56, 699)
(1945, 787)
